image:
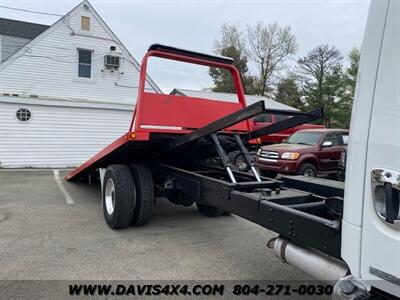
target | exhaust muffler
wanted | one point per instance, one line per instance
(309, 261)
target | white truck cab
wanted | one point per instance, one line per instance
(371, 219)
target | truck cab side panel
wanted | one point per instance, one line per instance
(380, 256)
(361, 114)
(374, 145)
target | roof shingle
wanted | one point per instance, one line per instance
(21, 29)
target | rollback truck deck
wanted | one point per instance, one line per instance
(176, 147)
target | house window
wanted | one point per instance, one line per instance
(85, 23)
(23, 115)
(85, 63)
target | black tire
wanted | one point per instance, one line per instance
(122, 196)
(144, 194)
(209, 211)
(269, 174)
(307, 169)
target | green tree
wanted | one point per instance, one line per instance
(223, 79)
(288, 92)
(347, 90)
(352, 71)
(322, 70)
(333, 93)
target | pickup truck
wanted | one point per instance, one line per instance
(262, 121)
(306, 152)
(268, 119)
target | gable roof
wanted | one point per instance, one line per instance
(46, 31)
(250, 99)
(116, 39)
(21, 29)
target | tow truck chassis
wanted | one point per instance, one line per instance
(184, 158)
(297, 213)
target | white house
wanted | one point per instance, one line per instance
(66, 90)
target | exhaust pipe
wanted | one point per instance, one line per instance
(311, 262)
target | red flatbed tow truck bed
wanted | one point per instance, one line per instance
(176, 148)
(158, 118)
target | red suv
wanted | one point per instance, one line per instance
(306, 152)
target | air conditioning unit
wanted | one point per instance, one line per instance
(111, 61)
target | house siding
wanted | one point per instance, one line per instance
(72, 118)
(9, 45)
(57, 136)
(48, 65)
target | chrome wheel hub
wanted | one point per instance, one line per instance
(109, 196)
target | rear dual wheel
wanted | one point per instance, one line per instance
(144, 194)
(128, 196)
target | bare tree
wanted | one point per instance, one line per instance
(231, 43)
(231, 36)
(320, 62)
(269, 47)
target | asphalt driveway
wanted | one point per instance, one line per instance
(52, 229)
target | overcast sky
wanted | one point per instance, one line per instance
(194, 24)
